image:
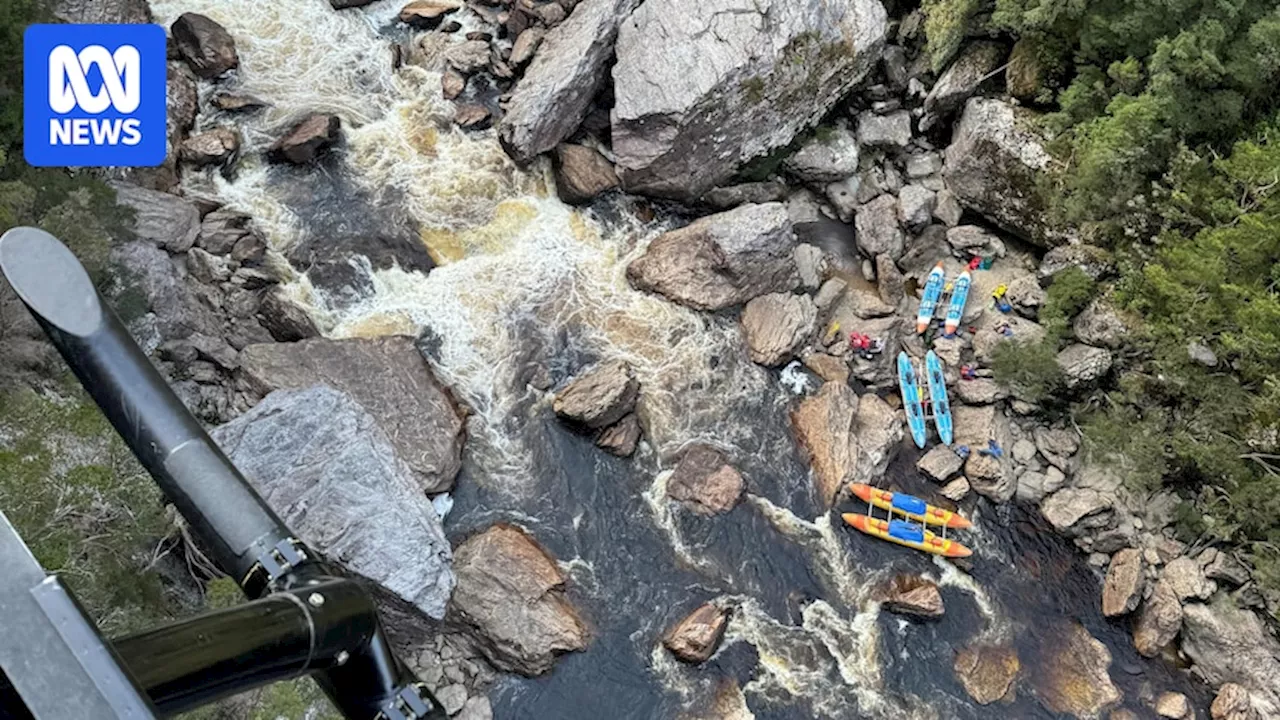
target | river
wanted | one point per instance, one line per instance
(525, 285)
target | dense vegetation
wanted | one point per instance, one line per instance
(1163, 114)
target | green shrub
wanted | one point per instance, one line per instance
(946, 24)
(1030, 370)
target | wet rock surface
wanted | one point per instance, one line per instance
(705, 481)
(206, 46)
(1075, 681)
(777, 325)
(599, 397)
(322, 461)
(913, 596)
(695, 638)
(510, 599)
(987, 672)
(389, 378)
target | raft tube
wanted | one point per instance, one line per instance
(904, 533)
(909, 506)
(929, 300)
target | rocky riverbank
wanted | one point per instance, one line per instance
(820, 168)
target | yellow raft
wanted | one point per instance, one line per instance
(909, 506)
(908, 535)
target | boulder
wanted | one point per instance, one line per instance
(1091, 260)
(1068, 506)
(915, 206)
(1231, 644)
(1233, 703)
(705, 481)
(307, 140)
(622, 437)
(891, 132)
(1099, 324)
(555, 93)
(1022, 331)
(324, 464)
(599, 397)
(1158, 622)
(468, 57)
(974, 426)
(811, 264)
(826, 158)
(1174, 705)
(830, 294)
(582, 173)
(889, 281)
(980, 391)
(1057, 445)
(828, 367)
(286, 320)
(206, 46)
(777, 325)
(1083, 364)
(1025, 295)
(960, 81)
(721, 260)
(939, 463)
(1075, 680)
(525, 46)
(148, 272)
(510, 599)
(912, 595)
(1186, 579)
(389, 378)
(1202, 354)
(695, 638)
(946, 208)
(968, 237)
(877, 227)
(1225, 568)
(956, 490)
(878, 430)
(724, 198)
(164, 220)
(101, 12)
(472, 116)
(923, 165)
(222, 229)
(1033, 486)
(703, 87)
(1122, 588)
(824, 425)
(993, 166)
(427, 13)
(213, 147)
(987, 671)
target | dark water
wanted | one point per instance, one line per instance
(632, 586)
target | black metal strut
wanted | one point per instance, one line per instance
(304, 618)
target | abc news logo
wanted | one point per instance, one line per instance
(69, 89)
(94, 95)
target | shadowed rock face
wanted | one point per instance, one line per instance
(509, 598)
(321, 461)
(1073, 679)
(386, 375)
(703, 87)
(695, 638)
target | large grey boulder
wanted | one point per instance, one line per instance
(721, 260)
(703, 87)
(1100, 324)
(389, 377)
(1082, 364)
(206, 46)
(826, 158)
(777, 325)
(878, 231)
(1122, 588)
(555, 93)
(510, 600)
(846, 438)
(166, 220)
(322, 462)
(993, 164)
(1231, 644)
(960, 81)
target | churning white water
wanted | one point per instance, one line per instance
(524, 281)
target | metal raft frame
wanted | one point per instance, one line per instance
(303, 618)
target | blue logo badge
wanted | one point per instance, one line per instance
(94, 95)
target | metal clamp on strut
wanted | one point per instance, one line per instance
(273, 565)
(411, 703)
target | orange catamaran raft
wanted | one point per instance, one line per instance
(910, 506)
(907, 535)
